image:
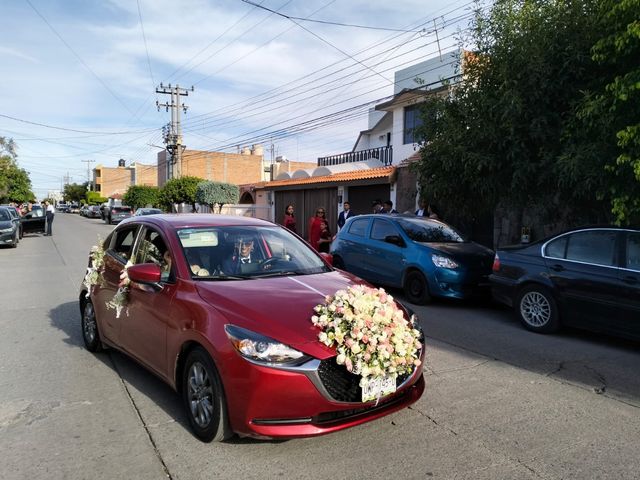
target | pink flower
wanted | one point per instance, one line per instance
(349, 364)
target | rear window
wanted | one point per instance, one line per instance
(121, 209)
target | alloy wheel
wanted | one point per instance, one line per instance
(200, 395)
(535, 309)
(89, 326)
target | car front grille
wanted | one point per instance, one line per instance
(342, 385)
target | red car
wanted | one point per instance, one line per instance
(220, 308)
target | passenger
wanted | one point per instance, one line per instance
(195, 264)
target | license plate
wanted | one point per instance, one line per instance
(378, 387)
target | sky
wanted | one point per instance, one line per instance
(79, 77)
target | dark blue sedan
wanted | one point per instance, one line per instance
(425, 257)
(587, 278)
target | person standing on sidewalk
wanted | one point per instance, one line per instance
(50, 212)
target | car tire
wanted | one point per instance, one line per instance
(16, 239)
(204, 399)
(416, 288)
(537, 309)
(90, 333)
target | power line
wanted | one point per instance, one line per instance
(290, 17)
(270, 94)
(72, 129)
(79, 58)
(144, 38)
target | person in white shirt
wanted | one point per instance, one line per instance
(50, 212)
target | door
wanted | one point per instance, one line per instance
(385, 261)
(629, 298)
(354, 249)
(143, 334)
(33, 221)
(117, 254)
(585, 274)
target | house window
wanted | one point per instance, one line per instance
(412, 120)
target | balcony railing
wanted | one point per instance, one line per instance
(384, 154)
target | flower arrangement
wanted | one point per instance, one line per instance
(119, 300)
(94, 277)
(94, 270)
(373, 339)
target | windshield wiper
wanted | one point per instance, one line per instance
(281, 273)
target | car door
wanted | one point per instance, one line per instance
(33, 221)
(354, 247)
(144, 332)
(385, 261)
(629, 296)
(117, 254)
(583, 267)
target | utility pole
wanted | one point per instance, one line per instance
(173, 132)
(89, 182)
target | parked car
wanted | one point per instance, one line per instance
(147, 211)
(63, 208)
(93, 211)
(33, 221)
(9, 228)
(587, 278)
(15, 215)
(83, 210)
(74, 208)
(117, 214)
(425, 257)
(241, 362)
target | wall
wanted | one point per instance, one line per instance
(235, 168)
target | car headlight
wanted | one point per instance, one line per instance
(6, 230)
(260, 349)
(443, 262)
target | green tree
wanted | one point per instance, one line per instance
(15, 184)
(75, 192)
(140, 196)
(504, 136)
(212, 193)
(180, 190)
(94, 198)
(609, 118)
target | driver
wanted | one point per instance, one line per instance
(242, 254)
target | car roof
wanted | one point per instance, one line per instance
(196, 220)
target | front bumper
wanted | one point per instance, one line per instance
(302, 401)
(459, 284)
(8, 238)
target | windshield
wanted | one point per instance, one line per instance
(230, 253)
(4, 215)
(421, 230)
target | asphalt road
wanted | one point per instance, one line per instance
(501, 402)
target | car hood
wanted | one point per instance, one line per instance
(6, 224)
(279, 307)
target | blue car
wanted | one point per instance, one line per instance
(425, 257)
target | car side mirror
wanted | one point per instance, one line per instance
(145, 273)
(327, 258)
(395, 240)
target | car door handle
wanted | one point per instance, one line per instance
(630, 279)
(557, 268)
